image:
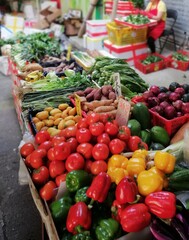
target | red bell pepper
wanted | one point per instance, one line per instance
(79, 218)
(126, 190)
(99, 188)
(135, 217)
(162, 204)
(117, 209)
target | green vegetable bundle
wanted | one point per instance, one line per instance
(137, 19)
(151, 59)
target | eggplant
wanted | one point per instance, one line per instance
(180, 228)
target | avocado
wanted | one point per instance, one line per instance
(160, 135)
(135, 127)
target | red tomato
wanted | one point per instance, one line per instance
(98, 166)
(41, 175)
(56, 168)
(26, 149)
(60, 178)
(62, 151)
(36, 158)
(41, 152)
(73, 144)
(103, 138)
(61, 133)
(74, 162)
(82, 123)
(96, 129)
(93, 118)
(134, 143)
(83, 135)
(105, 117)
(70, 131)
(50, 154)
(88, 164)
(111, 128)
(124, 133)
(100, 151)
(85, 149)
(28, 161)
(56, 140)
(45, 145)
(42, 136)
(48, 191)
(116, 146)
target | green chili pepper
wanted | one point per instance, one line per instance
(59, 208)
(77, 179)
(81, 196)
(107, 229)
(82, 236)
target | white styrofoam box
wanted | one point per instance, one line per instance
(48, 4)
(29, 11)
(4, 65)
(14, 23)
(93, 43)
(127, 52)
(97, 28)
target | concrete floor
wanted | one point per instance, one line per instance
(19, 218)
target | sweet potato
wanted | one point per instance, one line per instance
(88, 90)
(104, 109)
(106, 89)
(112, 95)
(90, 96)
(94, 104)
(98, 94)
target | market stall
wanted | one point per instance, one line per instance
(106, 154)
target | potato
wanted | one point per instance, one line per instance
(35, 119)
(61, 124)
(57, 115)
(53, 131)
(39, 125)
(57, 121)
(72, 111)
(42, 115)
(48, 109)
(63, 106)
(77, 118)
(55, 111)
(48, 123)
(69, 118)
(69, 123)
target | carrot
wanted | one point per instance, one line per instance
(179, 135)
(104, 109)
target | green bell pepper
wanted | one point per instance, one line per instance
(82, 236)
(77, 179)
(81, 196)
(59, 208)
(107, 229)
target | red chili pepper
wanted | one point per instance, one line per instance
(116, 210)
(126, 190)
(79, 217)
(162, 204)
(99, 188)
(135, 217)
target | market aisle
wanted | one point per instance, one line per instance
(19, 217)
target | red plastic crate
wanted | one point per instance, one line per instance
(153, 67)
(171, 126)
(180, 65)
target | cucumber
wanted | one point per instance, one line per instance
(179, 180)
(160, 135)
(141, 113)
(135, 127)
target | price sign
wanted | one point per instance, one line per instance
(117, 84)
(78, 105)
(68, 56)
(123, 111)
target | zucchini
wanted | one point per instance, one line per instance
(141, 113)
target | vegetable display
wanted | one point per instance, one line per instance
(137, 19)
(151, 59)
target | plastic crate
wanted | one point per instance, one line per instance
(171, 126)
(96, 28)
(180, 65)
(153, 67)
(121, 35)
(122, 5)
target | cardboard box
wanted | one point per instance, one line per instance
(72, 26)
(127, 52)
(42, 23)
(51, 13)
(14, 23)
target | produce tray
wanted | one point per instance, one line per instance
(153, 67)
(171, 126)
(180, 65)
(124, 35)
(121, 21)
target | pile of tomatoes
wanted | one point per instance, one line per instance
(87, 145)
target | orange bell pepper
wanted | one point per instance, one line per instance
(140, 153)
(117, 165)
(136, 165)
(149, 182)
(162, 174)
(164, 161)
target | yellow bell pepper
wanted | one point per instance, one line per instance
(136, 165)
(164, 161)
(117, 167)
(149, 182)
(140, 153)
(162, 174)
